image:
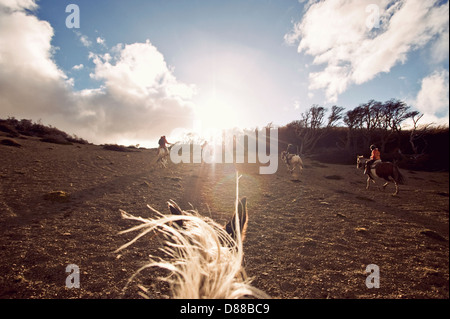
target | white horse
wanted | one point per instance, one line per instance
(292, 161)
(204, 258)
(162, 157)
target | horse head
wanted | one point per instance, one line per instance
(360, 161)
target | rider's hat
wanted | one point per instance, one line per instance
(372, 147)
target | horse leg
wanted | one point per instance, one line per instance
(396, 189)
(166, 160)
(384, 185)
(162, 159)
(299, 169)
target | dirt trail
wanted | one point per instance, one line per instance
(311, 238)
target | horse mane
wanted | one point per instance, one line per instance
(205, 259)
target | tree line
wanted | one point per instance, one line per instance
(352, 132)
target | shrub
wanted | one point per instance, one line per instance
(117, 148)
(8, 128)
(56, 139)
(10, 142)
(48, 134)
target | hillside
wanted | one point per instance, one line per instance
(311, 238)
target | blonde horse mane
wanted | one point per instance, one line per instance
(203, 258)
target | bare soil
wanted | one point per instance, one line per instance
(307, 238)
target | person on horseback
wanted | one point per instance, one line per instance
(291, 149)
(375, 156)
(162, 143)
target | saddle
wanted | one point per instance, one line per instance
(370, 166)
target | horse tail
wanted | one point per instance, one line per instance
(398, 176)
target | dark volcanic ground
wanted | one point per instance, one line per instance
(307, 238)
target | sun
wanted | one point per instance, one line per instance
(215, 115)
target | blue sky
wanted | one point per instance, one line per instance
(138, 69)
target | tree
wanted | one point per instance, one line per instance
(310, 128)
(418, 134)
(377, 122)
(335, 116)
(361, 121)
(353, 119)
(394, 113)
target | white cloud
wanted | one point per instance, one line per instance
(336, 34)
(29, 79)
(84, 39)
(101, 41)
(16, 5)
(139, 70)
(141, 98)
(138, 98)
(78, 67)
(433, 97)
(440, 48)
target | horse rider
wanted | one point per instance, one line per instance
(162, 143)
(291, 149)
(375, 156)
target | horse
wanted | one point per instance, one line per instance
(204, 258)
(162, 157)
(292, 161)
(383, 170)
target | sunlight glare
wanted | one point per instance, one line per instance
(214, 116)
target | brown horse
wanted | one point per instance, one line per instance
(385, 170)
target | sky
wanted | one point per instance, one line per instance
(127, 72)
